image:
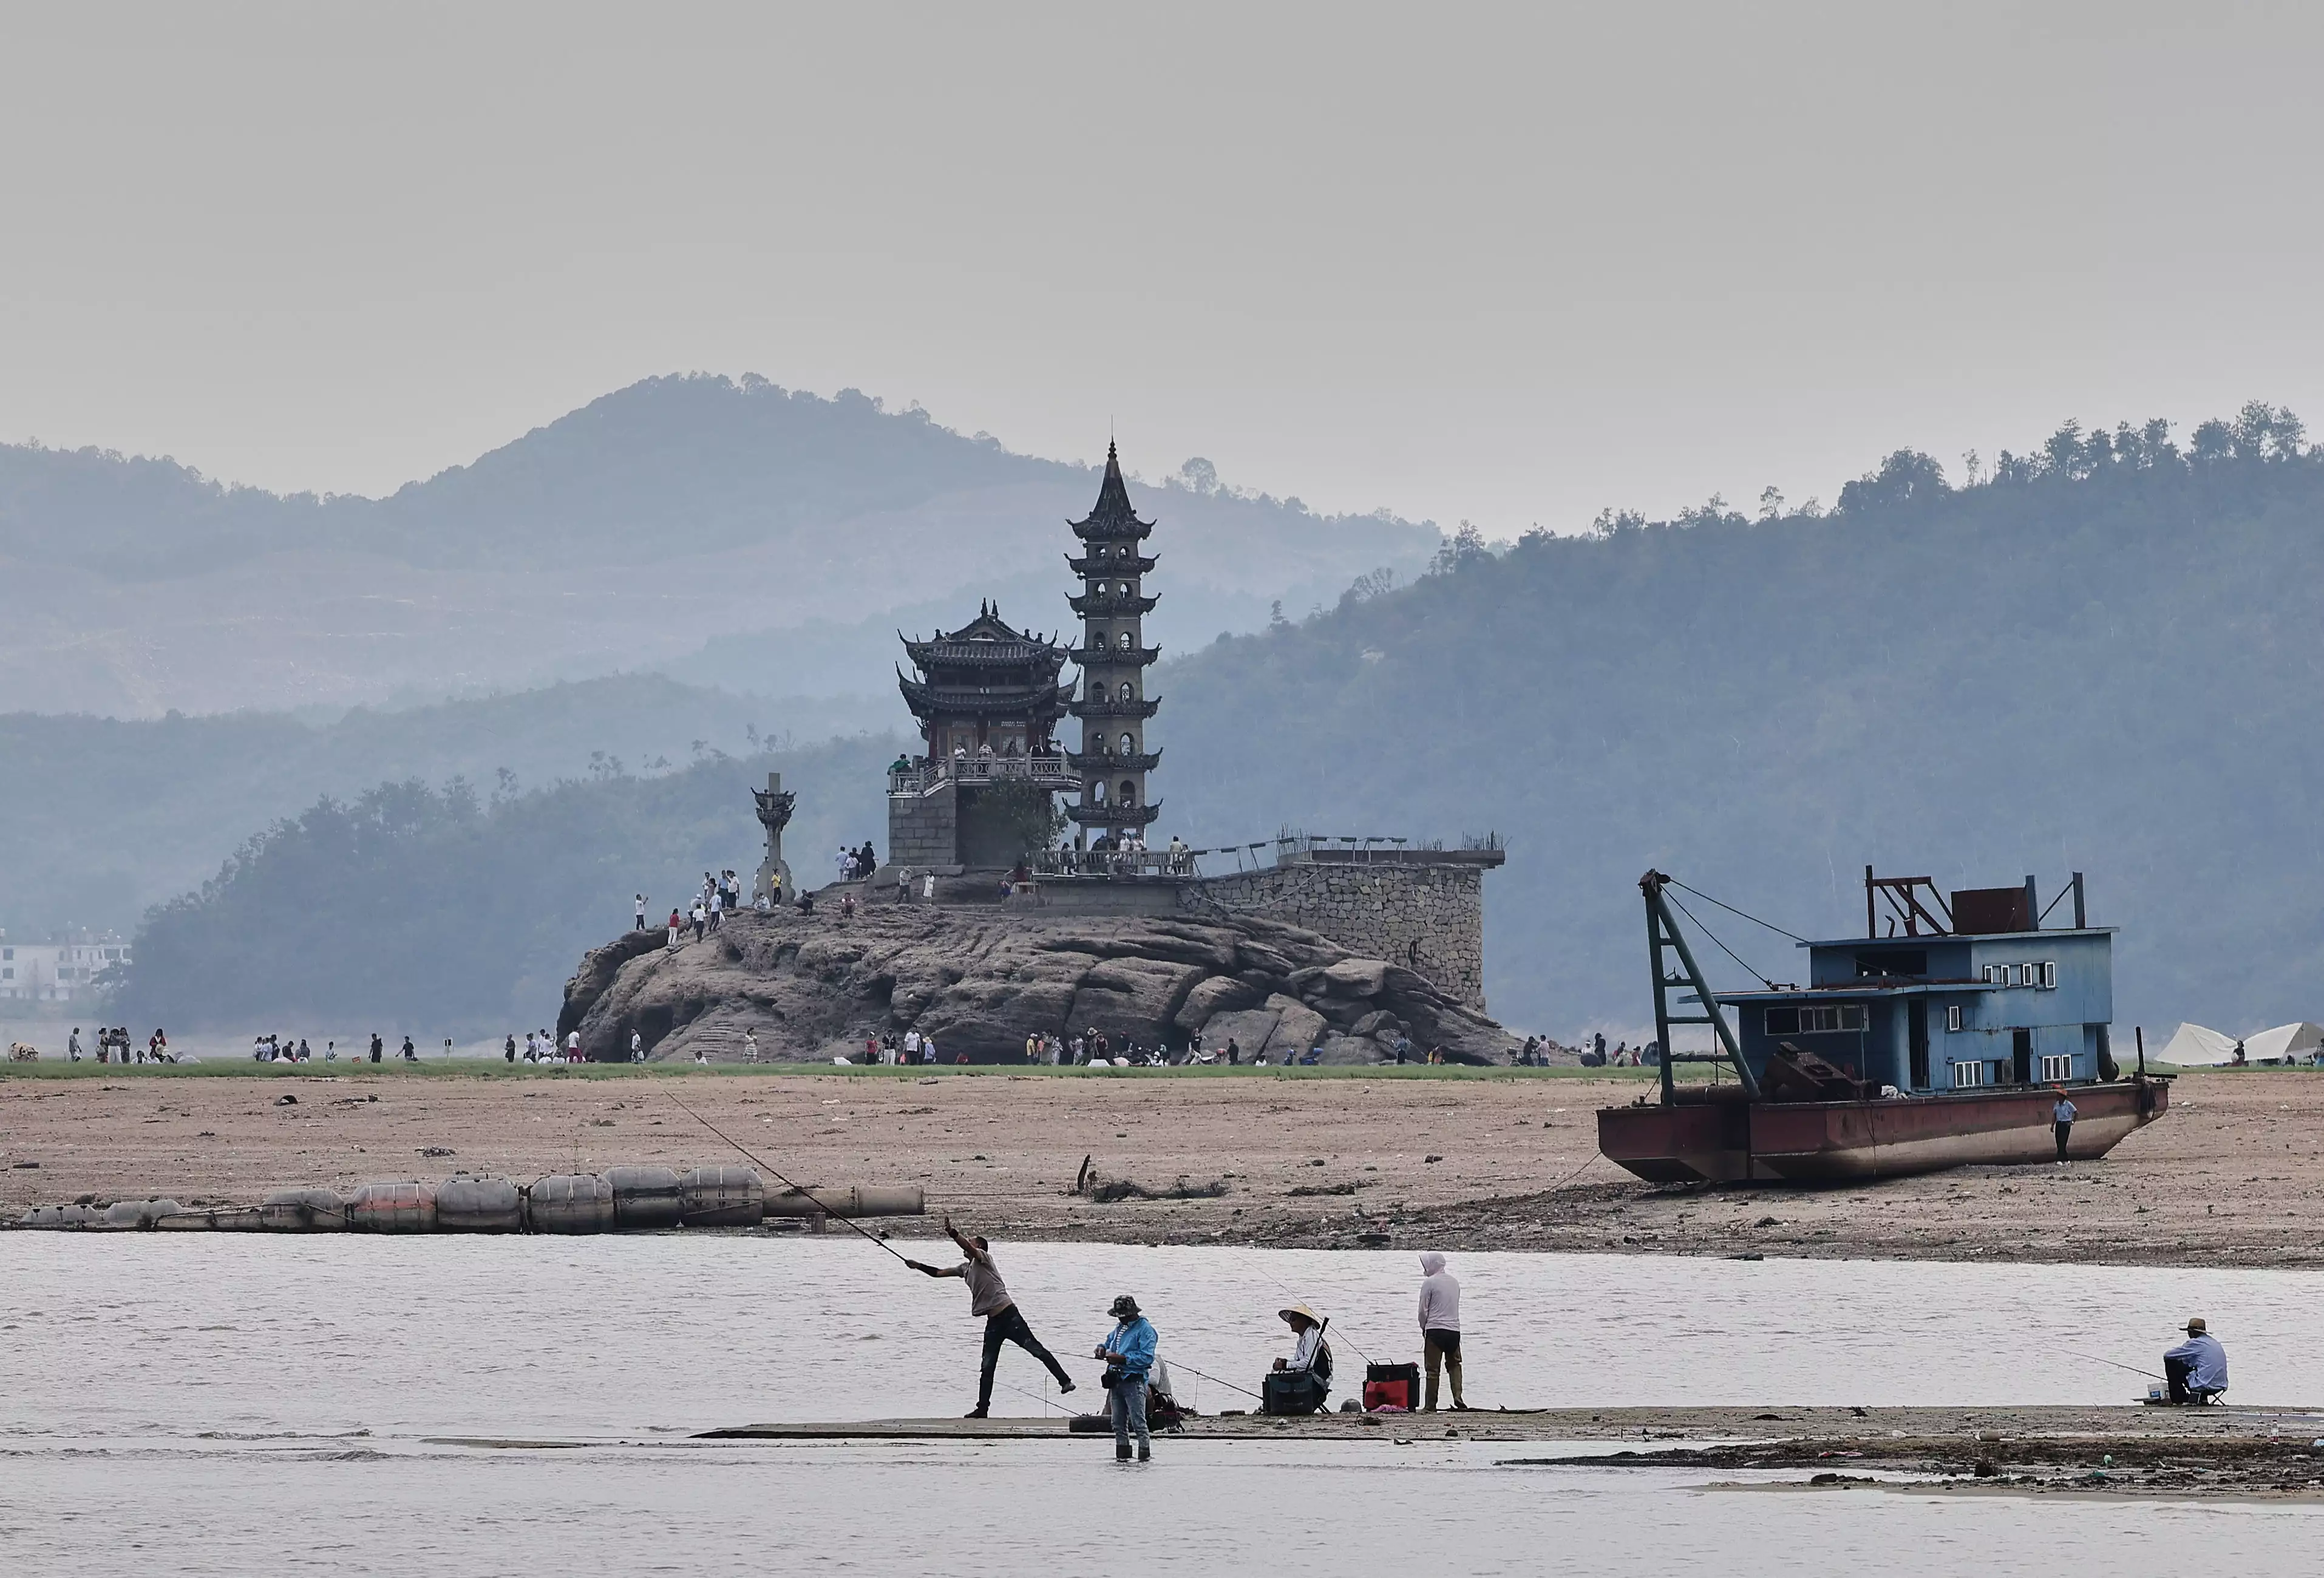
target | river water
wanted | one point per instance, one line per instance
(232, 1404)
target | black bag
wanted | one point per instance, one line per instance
(1110, 1380)
(1290, 1391)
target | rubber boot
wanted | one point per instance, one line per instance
(1453, 1373)
(1121, 1454)
(1145, 1452)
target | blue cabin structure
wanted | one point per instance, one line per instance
(1964, 994)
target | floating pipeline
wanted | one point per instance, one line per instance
(622, 1199)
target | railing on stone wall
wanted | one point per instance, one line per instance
(1069, 861)
(919, 777)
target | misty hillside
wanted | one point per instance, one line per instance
(408, 908)
(2108, 657)
(632, 533)
(100, 818)
(2101, 659)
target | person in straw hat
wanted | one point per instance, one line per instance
(1310, 1361)
(2197, 1369)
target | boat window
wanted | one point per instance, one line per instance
(1782, 1022)
(1820, 1017)
(1893, 963)
(2057, 1065)
(2048, 974)
(1953, 1016)
(1967, 1074)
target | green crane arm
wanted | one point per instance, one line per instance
(1662, 932)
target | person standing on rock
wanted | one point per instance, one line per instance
(1440, 1327)
(988, 1296)
(641, 911)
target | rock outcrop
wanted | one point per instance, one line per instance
(980, 980)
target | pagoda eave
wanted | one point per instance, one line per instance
(1103, 606)
(1115, 709)
(1115, 815)
(1115, 656)
(1101, 766)
(1143, 565)
(1132, 529)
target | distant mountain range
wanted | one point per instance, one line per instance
(735, 531)
(2102, 657)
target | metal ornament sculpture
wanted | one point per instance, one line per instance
(775, 804)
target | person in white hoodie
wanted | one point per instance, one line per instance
(1440, 1327)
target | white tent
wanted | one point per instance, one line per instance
(2196, 1047)
(2284, 1042)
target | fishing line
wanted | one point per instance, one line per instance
(1206, 1375)
(859, 1229)
(1297, 1298)
(2094, 1359)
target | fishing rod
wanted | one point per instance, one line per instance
(1206, 1375)
(860, 1231)
(2094, 1359)
(1294, 1292)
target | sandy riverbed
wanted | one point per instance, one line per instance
(2234, 1176)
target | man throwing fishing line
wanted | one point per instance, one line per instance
(988, 1296)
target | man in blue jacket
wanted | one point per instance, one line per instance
(1128, 1355)
(2197, 1367)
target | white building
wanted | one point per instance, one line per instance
(67, 970)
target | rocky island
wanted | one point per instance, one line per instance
(809, 986)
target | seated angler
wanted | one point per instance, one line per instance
(2197, 1369)
(1301, 1383)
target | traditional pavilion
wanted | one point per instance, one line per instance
(986, 690)
(1114, 708)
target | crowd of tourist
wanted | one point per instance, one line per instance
(113, 1045)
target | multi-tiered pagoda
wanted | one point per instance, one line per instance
(1113, 707)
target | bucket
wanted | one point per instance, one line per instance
(303, 1210)
(465, 1204)
(403, 1206)
(645, 1198)
(570, 1202)
(722, 1197)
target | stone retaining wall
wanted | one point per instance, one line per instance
(1429, 917)
(922, 829)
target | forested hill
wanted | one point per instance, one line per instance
(2104, 656)
(446, 911)
(632, 533)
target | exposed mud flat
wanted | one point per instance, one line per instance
(2233, 1176)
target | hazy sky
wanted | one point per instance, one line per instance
(1507, 263)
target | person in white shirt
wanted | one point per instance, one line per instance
(1307, 1327)
(750, 1046)
(1440, 1327)
(637, 1047)
(573, 1046)
(912, 1046)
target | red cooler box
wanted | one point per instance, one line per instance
(1391, 1388)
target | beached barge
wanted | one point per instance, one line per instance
(1945, 1043)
